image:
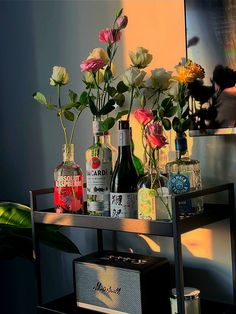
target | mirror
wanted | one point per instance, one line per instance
(211, 42)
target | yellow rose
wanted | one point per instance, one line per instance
(89, 78)
(59, 76)
(133, 77)
(99, 53)
(140, 58)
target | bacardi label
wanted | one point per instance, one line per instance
(123, 205)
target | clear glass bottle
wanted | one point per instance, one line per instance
(68, 184)
(184, 176)
(123, 196)
(98, 173)
(154, 200)
(107, 142)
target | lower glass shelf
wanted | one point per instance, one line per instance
(67, 305)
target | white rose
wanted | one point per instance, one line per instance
(140, 58)
(160, 79)
(59, 76)
(133, 77)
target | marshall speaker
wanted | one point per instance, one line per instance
(122, 283)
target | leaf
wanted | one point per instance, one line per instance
(40, 98)
(83, 99)
(108, 123)
(177, 125)
(119, 13)
(121, 114)
(166, 103)
(14, 214)
(170, 112)
(67, 106)
(92, 107)
(108, 74)
(121, 87)
(73, 96)
(166, 123)
(109, 106)
(69, 115)
(161, 112)
(120, 99)
(186, 125)
(111, 91)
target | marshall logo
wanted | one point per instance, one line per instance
(108, 289)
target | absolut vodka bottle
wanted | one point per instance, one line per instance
(98, 173)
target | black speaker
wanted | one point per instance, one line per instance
(123, 283)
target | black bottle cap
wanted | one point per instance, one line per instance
(123, 124)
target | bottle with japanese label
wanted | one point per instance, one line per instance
(123, 195)
(98, 173)
(184, 176)
(68, 184)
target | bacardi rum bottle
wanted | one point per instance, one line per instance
(68, 184)
(98, 173)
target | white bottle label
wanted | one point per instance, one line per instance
(98, 176)
(123, 205)
(124, 137)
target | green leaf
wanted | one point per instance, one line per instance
(108, 74)
(166, 123)
(73, 96)
(170, 112)
(161, 112)
(121, 114)
(67, 106)
(109, 106)
(120, 99)
(121, 87)
(166, 103)
(111, 91)
(14, 214)
(119, 13)
(83, 99)
(69, 115)
(177, 125)
(92, 107)
(186, 125)
(108, 123)
(40, 98)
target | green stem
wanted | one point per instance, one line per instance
(73, 128)
(131, 102)
(60, 115)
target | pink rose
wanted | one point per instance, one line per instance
(155, 128)
(92, 65)
(122, 21)
(156, 141)
(109, 35)
(143, 116)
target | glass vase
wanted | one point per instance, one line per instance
(68, 184)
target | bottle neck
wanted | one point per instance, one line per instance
(68, 152)
(97, 131)
(181, 147)
(124, 142)
(107, 138)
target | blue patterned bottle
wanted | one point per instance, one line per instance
(184, 176)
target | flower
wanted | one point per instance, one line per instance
(160, 79)
(143, 116)
(133, 77)
(188, 72)
(155, 128)
(59, 76)
(109, 35)
(99, 53)
(122, 21)
(92, 65)
(156, 141)
(140, 58)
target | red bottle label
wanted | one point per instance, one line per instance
(68, 194)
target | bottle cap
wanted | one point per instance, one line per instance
(190, 293)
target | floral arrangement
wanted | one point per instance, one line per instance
(70, 111)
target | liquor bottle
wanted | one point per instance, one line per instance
(184, 176)
(123, 196)
(137, 162)
(68, 184)
(154, 199)
(107, 142)
(98, 173)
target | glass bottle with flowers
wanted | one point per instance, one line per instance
(68, 176)
(99, 76)
(184, 173)
(153, 194)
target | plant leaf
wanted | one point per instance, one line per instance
(186, 125)
(73, 96)
(177, 125)
(108, 74)
(111, 91)
(109, 106)
(40, 98)
(69, 115)
(120, 99)
(108, 123)
(83, 99)
(166, 124)
(14, 214)
(121, 87)
(170, 112)
(121, 114)
(92, 107)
